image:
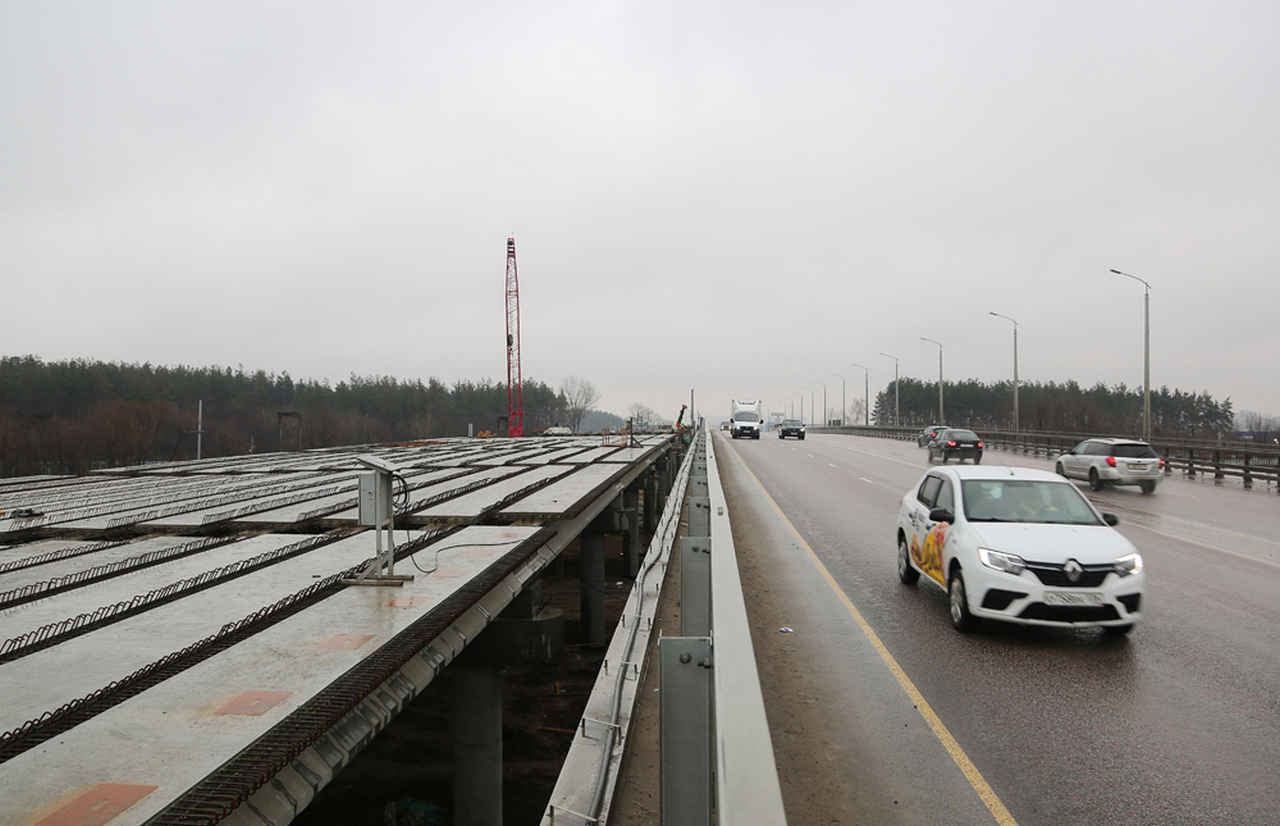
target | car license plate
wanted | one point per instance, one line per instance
(1138, 466)
(1072, 598)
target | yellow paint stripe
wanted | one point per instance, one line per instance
(939, 729)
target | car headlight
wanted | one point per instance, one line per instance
(1130, 564)
(1009, 563)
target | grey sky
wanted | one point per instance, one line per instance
(736, 198)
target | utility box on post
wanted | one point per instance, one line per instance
(375, 498)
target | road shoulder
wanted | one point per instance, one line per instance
(850, 745)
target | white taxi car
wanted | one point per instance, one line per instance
(1018, 545)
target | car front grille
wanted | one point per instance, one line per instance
(1069, 613)
(1053, 575)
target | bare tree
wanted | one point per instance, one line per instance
(579, 395)
(641, 414)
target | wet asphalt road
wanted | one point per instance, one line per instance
(1178, 723)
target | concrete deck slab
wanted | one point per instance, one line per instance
(88, 662)
(23, 618)
(147, 740)
(474, 503)
(559, 496)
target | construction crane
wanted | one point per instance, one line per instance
(515, 386)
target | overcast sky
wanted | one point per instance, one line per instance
(739, 199)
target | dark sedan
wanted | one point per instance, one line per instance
(954, 443)
(929, 434)
(791, 427)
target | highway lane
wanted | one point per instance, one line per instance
(1179, 723)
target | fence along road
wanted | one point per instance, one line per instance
(1178, 723)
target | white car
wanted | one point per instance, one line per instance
(1018, 545)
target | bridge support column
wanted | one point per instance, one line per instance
(477, 742)
(591, 602)
(650, 502)
(631, 537)
(659, 483)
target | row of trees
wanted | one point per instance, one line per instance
(70, 416)
(1056, 407)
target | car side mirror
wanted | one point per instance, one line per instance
(1110, 519)
(941, 515)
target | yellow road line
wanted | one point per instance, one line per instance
(939, 729)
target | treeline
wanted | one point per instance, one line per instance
(71, 416)
(1054, 407)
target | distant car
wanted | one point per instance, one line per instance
(726, 424)
(928, 434)
(557, 431)
(955, 443)
(791, 427)
(1113, 462)
(1018, 545)
(746, 425)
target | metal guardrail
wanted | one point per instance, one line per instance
(716, 752)
(1192, 457)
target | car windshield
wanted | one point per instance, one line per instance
(1010, 500)
(1133, 451)
(791, 422)
(746, 417)
(962, 435)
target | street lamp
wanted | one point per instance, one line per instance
(1015, 366)
(823, 421)
(895, 388)
(866, 392)
(1146, 351)
(941, 417)
(843, 399)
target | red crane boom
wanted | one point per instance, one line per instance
(515, 386)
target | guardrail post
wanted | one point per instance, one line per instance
(695, 586)
(1217, 466)
(1248, 474)
(1191, 463)
(684, 730)
(699, 516)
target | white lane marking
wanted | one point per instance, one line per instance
(886, 458)
(811, 456)
(868, 481)
(830, 465)
(1236, 554)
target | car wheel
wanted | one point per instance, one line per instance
(906, 574)
(958, 602)
(1147, 487)
(944, 457)
(1118, 630)
(977, 460)
(1060, 470)
(802, 437)
(1095, 483)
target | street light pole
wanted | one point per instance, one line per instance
(941, 416)
(866, 390)
(896, 409)
(1146, 352)
(1015, 366)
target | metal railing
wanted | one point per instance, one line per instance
(716, 752)
(1192, 457)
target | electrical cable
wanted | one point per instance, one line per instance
(436, 560)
